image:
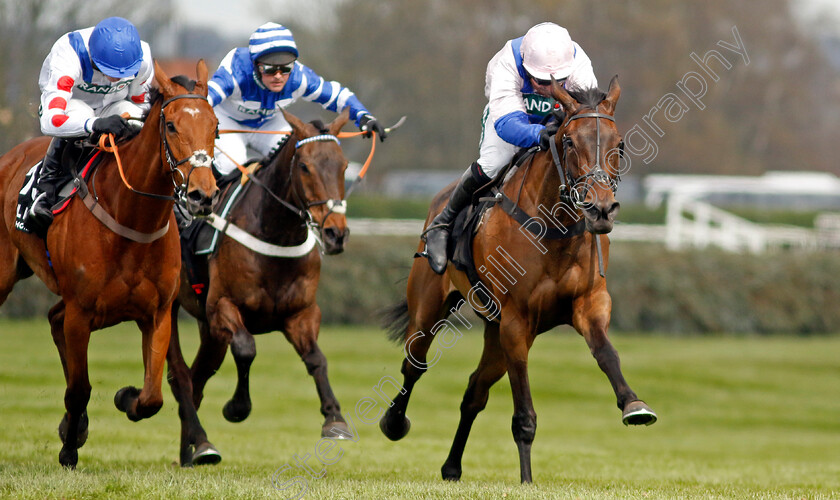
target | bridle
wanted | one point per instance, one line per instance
(302, 205)
(570, 191)
(196, 160)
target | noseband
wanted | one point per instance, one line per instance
(568, 185)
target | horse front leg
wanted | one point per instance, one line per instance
(227, 327)
(490, 369)
(143, 403)
(301, 331)
(75, 348)
(516, 341)
(56, 319)
(215, 337)
(591, 319)
(195, 448)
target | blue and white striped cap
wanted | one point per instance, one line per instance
(270, 38)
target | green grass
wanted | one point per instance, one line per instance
(739, 418)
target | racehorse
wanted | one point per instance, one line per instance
(542, 275)
(105, 278)
(267, 283)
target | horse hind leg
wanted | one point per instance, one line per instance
(195, 449)
(426, 304)
(490, 369)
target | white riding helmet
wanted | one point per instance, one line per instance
(548, 50)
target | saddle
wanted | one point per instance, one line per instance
(76, 154)
(468, 222)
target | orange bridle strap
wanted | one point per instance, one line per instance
(113, 149)
(341, 135)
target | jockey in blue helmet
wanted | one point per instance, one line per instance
(254, 83)
(89, 78)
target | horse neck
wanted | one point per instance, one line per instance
(540, 195)
(273, 221)
(144, 171)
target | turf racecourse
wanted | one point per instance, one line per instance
(739, 418)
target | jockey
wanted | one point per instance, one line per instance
(252, 84)
(89, 78)
(518, 89)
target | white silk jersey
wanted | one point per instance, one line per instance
(513, 104)
(68, 74)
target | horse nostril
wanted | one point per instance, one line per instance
(613, 210)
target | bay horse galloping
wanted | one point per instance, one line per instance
(105, 278)
(268, 281)
(531, 275)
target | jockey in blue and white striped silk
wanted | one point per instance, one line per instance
(89, 78)
(253, 84)
(518, 90)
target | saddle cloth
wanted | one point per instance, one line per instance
(74, 156)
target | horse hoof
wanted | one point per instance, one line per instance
(206, 454)
(68, 457)
(235, 412)
(638, 413)
(450, 473)
(394, 432)
(81, 437)
(336, 430)
(124, 397)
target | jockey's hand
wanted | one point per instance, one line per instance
(114, 124)
(547, 135)
(369, 124)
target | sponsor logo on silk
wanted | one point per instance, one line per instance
(101, 89)
(258, 111)
(536, 104)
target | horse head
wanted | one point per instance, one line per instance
(319, 164)
(590, 147)
(188, 128)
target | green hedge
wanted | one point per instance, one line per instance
(653, 289)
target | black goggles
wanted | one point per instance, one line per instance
(546, 83)
(273, 69)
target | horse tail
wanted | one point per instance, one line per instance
(395, 320)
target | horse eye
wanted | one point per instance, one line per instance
(170, 127)
(304, 167)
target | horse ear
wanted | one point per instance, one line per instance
(612, 95)
(558, 92)
(166, 86)
(201, 83)
(297, 125)
(340, 121)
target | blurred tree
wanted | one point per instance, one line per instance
(28, 30)
(427, 59)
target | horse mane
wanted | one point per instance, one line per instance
(589, 98)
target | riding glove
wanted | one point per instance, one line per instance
(547, 135)
(114, 124)
(369, 124)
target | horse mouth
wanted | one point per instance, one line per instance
(600, 219)
(334, 240)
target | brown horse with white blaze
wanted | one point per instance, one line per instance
(541, 276)
(105, 278)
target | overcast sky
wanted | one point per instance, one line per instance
(240, 18)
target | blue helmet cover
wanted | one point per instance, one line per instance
(115, 47)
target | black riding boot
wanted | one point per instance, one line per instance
(40, 215)
(437, 237)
